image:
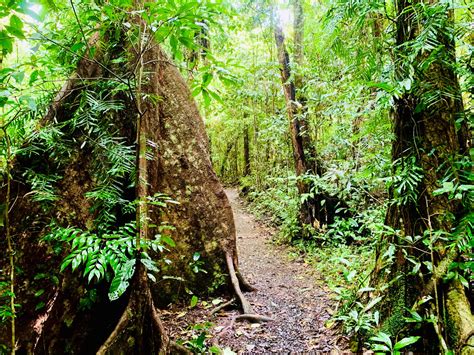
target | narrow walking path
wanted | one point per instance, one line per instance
(286, 291)
(289, 291)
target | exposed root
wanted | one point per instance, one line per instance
(248, 313)
(254, 318)
(222, 306)
(246, 306)
(177, 349)
(119, 328)
(246, 286)
(460, 318)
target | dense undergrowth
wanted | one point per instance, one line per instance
(342, 252)
(381, 94)
(352, 78)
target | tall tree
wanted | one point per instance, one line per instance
(427, 149)
(151, 109)
(296, 135)
(313, 211)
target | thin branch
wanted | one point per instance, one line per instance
(80, 27)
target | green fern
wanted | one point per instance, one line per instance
(110, 255)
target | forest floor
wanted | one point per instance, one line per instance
(288, 291)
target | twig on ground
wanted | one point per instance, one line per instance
(222, 306)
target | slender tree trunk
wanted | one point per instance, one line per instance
(296, 136)
(312, 211)
(228, 149)
(246, 151)
(298, 29)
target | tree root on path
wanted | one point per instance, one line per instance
(244, 284)
(248, 313)
(254, 318)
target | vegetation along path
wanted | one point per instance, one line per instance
(287, 291)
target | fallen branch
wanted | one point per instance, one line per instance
(222, 306)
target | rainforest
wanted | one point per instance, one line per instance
(229, 177)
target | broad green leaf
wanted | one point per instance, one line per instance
(17, 32)
(382, 338)
(405, 342)
(372, 303)
(16, 22)
(167, 239)
(380, 347)
(194, 301)
(6, 42)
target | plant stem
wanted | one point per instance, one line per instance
(10, 244)
(142, 213)
(436, 324)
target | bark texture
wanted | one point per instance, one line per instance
(182, 169)
(179, 167)
(312, 212)
(425, 138)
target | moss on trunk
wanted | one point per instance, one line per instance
(426, 145)
(75, 318)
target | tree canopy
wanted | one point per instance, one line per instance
(346, 124)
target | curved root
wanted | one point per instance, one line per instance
(246, 286)
(246, 307)
(254, 318)
(119, 328)
(248, 313)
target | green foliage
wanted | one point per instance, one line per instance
(196, 264)
(458, 186)
(278, 203)
(5, 306)
(405, 181)
(354, 71)
(112, 254)
(108, 255)
(197, 335)
(358, 321)
(14, 30)
(42, 186)
(382, 342)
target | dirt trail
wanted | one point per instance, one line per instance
(287, 291)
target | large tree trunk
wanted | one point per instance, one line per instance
(427, 142)
(312, 212)
(179, 166)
